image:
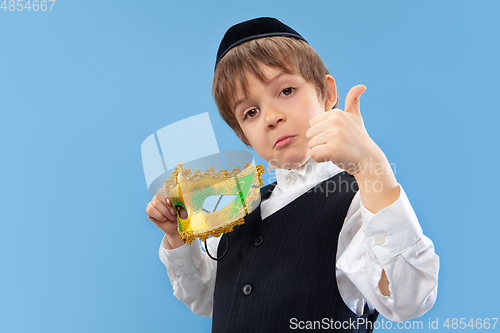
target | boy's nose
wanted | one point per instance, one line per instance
(274, 116)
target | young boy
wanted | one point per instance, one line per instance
(318, 252)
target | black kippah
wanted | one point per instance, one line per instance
(253, 29)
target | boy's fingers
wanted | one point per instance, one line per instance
(352, 99)
(167, 203)
(170, 207)
(319, 118)
(318, 124)
(317, 140)
(165, 211)
(154, 214)
(312, 132)
(161, 195)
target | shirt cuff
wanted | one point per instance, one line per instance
(392, 230)
(182, 260)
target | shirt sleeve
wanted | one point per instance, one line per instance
(390, 240)
(192, 274)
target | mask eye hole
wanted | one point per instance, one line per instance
(217, 202)
(181, 212)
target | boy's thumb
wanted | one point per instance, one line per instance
(352, 99)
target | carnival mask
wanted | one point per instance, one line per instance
(189, 190)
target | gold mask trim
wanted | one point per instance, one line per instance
(189, 190)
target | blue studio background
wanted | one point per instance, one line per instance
(83, 85)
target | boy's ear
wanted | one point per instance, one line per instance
(331, 93)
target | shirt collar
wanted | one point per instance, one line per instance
(306, 176)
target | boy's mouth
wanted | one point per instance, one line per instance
(283, 141)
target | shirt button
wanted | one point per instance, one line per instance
(380, 239)
(247, 289)
(258, 240)
(291, 179)
(180, 262)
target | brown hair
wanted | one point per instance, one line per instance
(292, 55)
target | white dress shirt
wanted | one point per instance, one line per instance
(389, 240)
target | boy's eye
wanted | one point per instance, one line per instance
(251, 113)
(287, 91)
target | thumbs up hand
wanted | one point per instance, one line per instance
(340, 136)
(352, 99)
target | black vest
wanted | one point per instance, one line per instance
(279, 273)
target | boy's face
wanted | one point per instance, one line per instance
(275, 115)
